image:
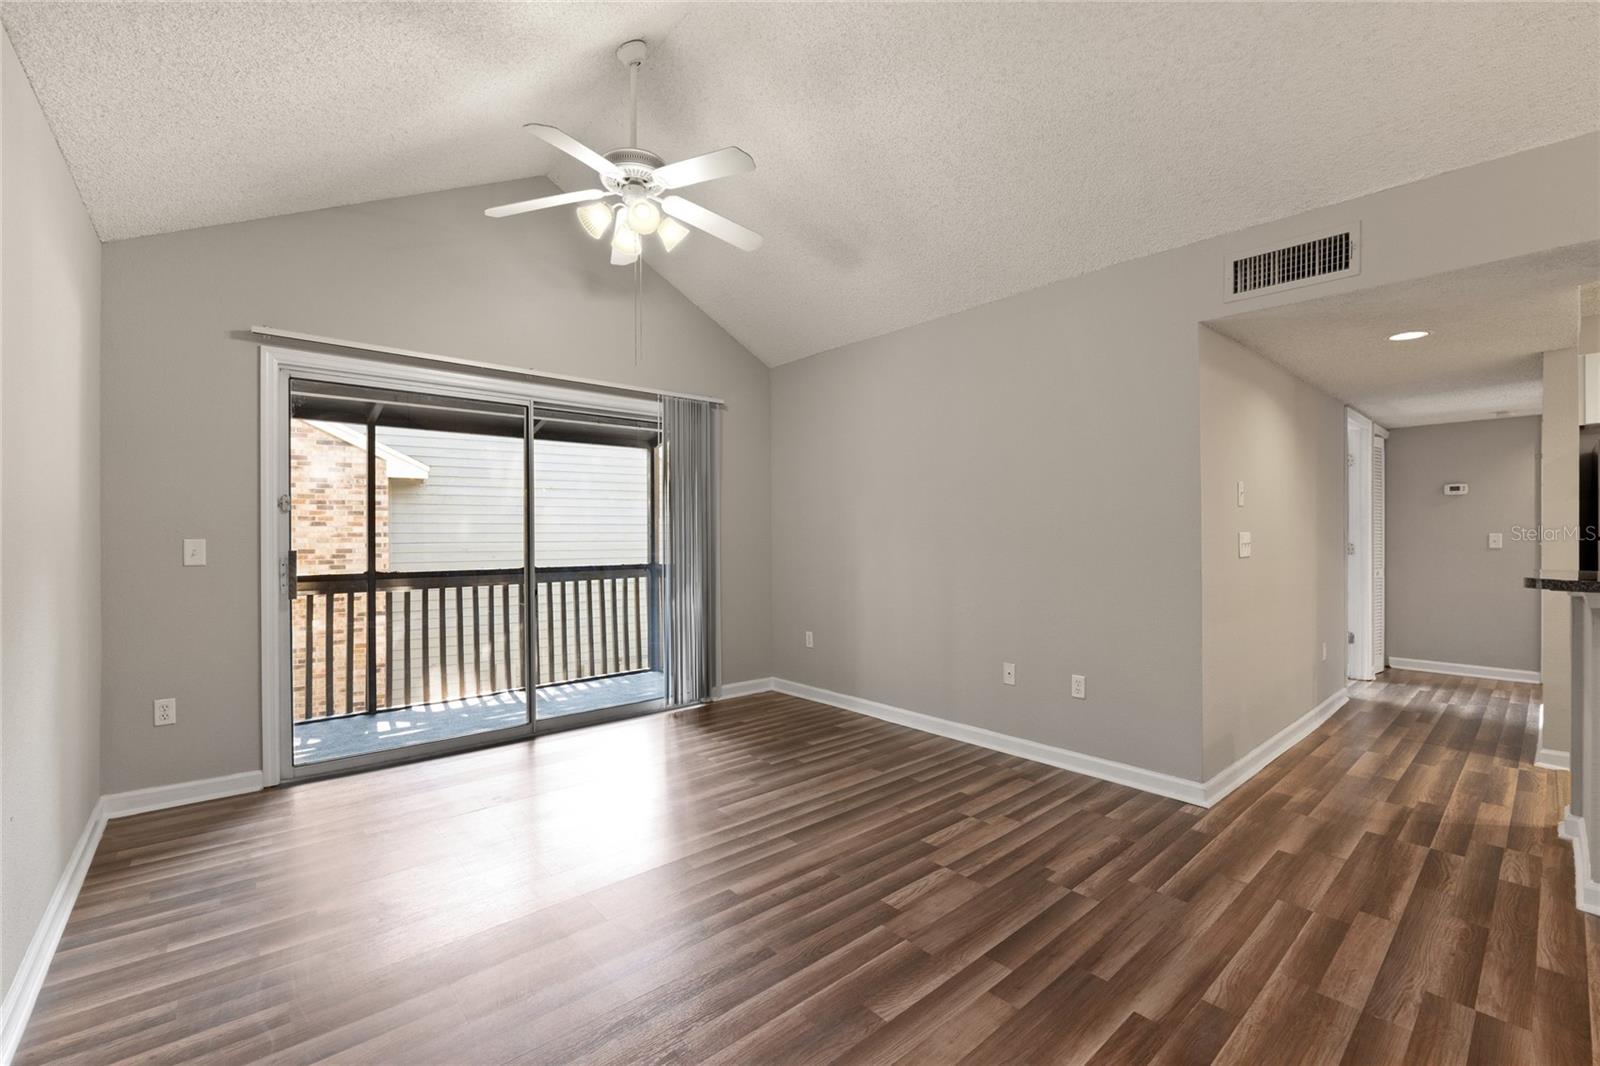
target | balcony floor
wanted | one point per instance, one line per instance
(326, 739)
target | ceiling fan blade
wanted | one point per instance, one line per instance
(621, 259)
(543, 202)
(711, 222)
(581, 152)
(718, 164)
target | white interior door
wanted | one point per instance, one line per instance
(1364, 546)
(1379, 650)
(1357, 502)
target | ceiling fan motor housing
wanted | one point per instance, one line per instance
(638, 168)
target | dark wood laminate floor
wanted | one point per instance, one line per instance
(770, 880)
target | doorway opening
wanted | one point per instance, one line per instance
(1365, 577)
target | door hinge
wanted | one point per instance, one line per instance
(1349, 547)
(283, 504)
(288, 575)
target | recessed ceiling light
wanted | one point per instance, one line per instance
(1409, 335)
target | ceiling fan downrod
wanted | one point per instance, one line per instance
(632, 54)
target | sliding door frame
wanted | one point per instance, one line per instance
(277, 367)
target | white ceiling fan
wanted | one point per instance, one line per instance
(635, 198)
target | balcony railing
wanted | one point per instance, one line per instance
(449, 635)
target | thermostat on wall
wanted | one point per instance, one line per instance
(1456, 488)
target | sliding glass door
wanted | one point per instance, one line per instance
(471, 560)
(408, 520)
(596, 544)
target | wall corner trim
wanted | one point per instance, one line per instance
(29, 979)
(1586, 890)
(1491, 673)
(121, 804)
(735, 689)
(1550, 759)
(1178, 788)
(1201, 794)
(24, 990)
(1253, 762)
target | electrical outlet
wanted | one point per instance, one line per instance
(1496, 541)
(166, 711)
(809, 641)
(1080, 689)
(194, 553)
(1245, 545)
(1008, 673)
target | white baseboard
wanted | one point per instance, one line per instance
(1161, 784)
(1203, 794)
(120, 804)
(735, 689)
(23, 991)
(1551, 759)
(1491, 673)
(1252, 763)
(1586, 890)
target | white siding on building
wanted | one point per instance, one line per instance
(591, 503)
(467, 515)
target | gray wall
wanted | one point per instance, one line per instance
(1451, 598)
(49, 515)
(1014, 483)
(1021, 481)
(428, 273)
(1273, 625)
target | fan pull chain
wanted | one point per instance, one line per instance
(638, 308)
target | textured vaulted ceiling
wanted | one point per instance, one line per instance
(914, 159)
(1489, 326)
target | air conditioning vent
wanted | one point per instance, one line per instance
(1304, 262)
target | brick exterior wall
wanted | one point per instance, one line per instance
(328, 479)
(328, 483)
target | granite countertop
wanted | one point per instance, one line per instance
(1565, 581)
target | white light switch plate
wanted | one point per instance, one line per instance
(166, 711)
(809, 641)
(1245, 547)
(194, 553)
(1496, 541)
(1241, 494)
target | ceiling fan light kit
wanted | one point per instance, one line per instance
(596, 218)
(632, 200)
